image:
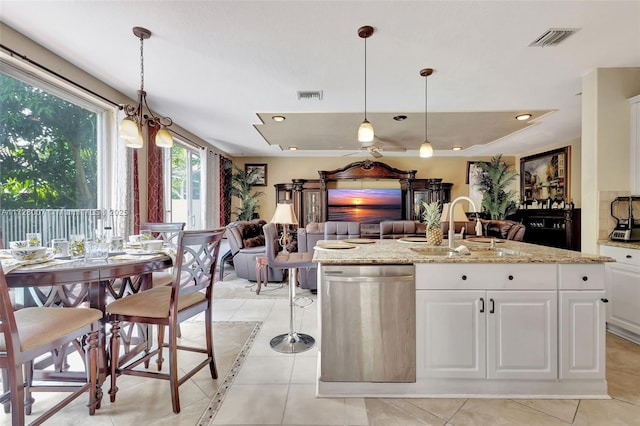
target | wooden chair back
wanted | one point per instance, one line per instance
(164, 231)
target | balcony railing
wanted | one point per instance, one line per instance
(51, 223)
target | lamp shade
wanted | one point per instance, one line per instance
(137, 142)
(128, 129)
(284, 215)
(365, 132)
(164, 138)
(458, 213)
(426, 150)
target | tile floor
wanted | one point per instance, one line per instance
(273, 388)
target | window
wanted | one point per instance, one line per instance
(50, 145)
(183, 179)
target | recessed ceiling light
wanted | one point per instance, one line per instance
(400, 117)
(523, 117)
(293, 148)
(456, 148)
(278, 118)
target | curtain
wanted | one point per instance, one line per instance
(155, 182)
(213, 218)
(225, 193)
(121, 190)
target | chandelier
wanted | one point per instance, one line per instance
(131, 126)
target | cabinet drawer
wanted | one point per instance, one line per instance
(486, 276)
(623, 255)
(581, 277)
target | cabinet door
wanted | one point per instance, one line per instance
(582, 335)
(522, 335)
(451, 334)
(623, 292)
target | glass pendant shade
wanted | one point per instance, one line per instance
(426, 150)
(128, 129)
(365, 132)
(164, 138)
(137, 142)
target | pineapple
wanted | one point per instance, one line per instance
(431, 217)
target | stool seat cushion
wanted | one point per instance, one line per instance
(39, 326)
(152, 303)
(293, 260)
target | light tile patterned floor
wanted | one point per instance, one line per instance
(274, 388)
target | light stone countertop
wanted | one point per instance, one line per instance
(389, 251)
(635, 245)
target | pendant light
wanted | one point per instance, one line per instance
(426, 150)
(365, 131)
(130, 128)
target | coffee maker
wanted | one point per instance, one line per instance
(626, 212)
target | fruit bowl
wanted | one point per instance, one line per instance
(29, 253)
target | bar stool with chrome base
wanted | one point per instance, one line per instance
(291, 342)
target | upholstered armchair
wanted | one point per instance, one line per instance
(246, 242)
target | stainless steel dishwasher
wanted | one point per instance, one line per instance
(368, 323)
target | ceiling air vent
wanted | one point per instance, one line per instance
(553, 37)
(310, 94)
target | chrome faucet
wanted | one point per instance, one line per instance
(451, 206)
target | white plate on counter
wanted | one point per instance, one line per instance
(334, 246)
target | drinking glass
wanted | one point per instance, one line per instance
(76, 245)
(60, 247)
(34, 239)
(96, 251)
(116, 244)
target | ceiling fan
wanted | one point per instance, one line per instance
(376, 149)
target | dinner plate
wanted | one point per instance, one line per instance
(334, 246)
(359, 241)
(485, 240)
(422, 240)
(143, 252)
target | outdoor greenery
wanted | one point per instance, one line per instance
(242, 184)
(493, 179)
(48, 150)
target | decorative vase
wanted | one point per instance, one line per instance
(434, 236)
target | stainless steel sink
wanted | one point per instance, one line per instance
(475, 252)
(498, 252)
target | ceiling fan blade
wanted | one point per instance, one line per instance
(375, 153)
(393, 149)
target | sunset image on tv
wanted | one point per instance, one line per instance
(364, 205)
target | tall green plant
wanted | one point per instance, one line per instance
(493, 179)
(242, 183)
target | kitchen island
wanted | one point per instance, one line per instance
(508, 319)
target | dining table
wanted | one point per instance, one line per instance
(64, 282)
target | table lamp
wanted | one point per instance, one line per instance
(285, 216)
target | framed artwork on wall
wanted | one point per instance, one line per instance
(546, 175)
(261, 174)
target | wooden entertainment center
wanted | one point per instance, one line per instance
(309, 196)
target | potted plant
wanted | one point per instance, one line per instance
(493, 180)
(242, 183)
(431, 218)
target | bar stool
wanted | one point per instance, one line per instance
(291, 342)
(262, 269)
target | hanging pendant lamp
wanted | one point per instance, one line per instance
(426, 149)
(365, 131)
(131, 126)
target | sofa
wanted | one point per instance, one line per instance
(393, 229)
(246, 243)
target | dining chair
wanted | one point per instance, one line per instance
(167, 232)
(190, 293)
(29, 333)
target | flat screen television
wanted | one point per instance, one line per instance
(364, 205)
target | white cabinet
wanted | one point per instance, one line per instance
(582, 335)
(451, 333)
(581, 321)
(494, 333)
(522, 335)
(623, 288)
